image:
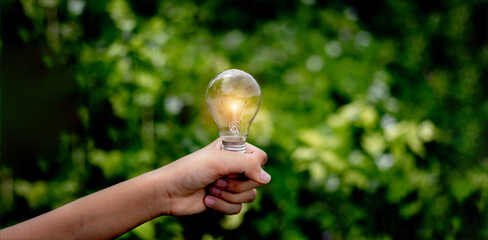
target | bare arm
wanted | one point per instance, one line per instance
(176, 189)
(103, 215)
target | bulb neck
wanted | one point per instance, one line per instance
(234, 144)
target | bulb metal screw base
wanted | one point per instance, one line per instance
(234, 144)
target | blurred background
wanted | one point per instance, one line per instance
(374, 114)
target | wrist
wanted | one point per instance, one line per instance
(162, 199)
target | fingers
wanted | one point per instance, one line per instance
(222, 206)
(227, 195)
(242, 197)
(225, 163)
(261, 155)
(228, 163)
(250, 149)
(244, 174)
(227, 202)
(234, 175)
(236, 186)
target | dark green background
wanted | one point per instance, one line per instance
(374, 115)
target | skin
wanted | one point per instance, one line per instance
(206, 179)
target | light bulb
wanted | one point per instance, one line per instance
(233, 98)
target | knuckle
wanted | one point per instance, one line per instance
(265, 157)
(261, 157)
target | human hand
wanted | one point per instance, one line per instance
(176, 189)
(185, 180)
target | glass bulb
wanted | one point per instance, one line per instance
(233, 98)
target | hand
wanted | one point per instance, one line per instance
(185, 180)
(178, 188)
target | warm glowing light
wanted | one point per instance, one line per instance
(233, 98)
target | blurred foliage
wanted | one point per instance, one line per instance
(374, 112)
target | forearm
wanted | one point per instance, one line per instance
(103, 215)
(178, 189)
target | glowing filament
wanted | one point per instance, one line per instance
(234, 124)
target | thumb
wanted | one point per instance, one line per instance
(264, 177)
(247, 164)
(259, 158)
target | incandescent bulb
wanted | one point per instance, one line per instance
(233, 98)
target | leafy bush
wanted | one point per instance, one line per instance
(374, 114)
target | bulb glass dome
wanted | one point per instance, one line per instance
(233, 98)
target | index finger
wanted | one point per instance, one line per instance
(262, 156)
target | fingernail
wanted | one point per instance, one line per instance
(215, 190)
(264, 176)
(221, 183)
(209, 201)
